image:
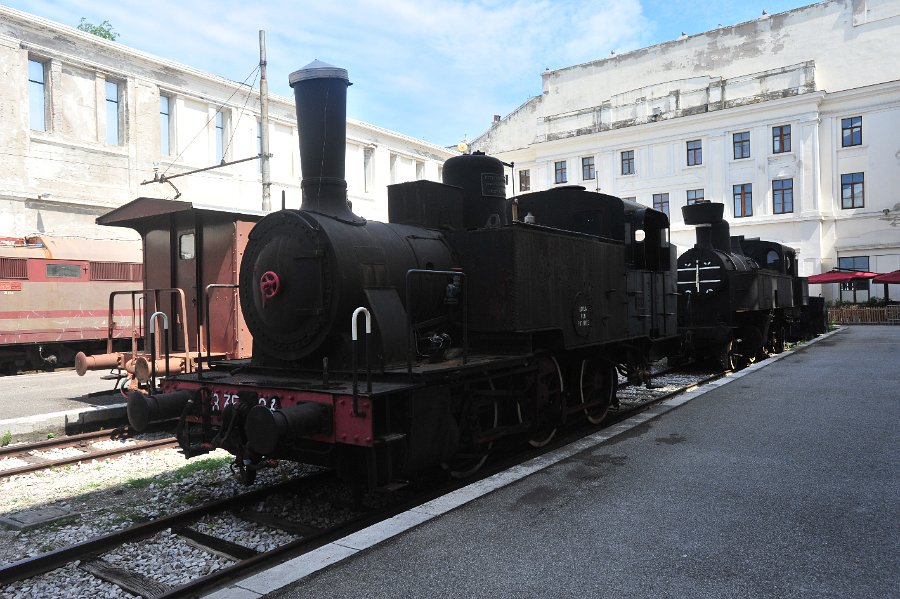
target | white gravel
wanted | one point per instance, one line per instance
(108, 495)
(155, 557)
(64, 583)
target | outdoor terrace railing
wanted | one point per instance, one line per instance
(864, 315)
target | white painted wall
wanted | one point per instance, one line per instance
(807, 68)
(60, 180)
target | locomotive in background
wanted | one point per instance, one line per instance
(740, 299)
(490, 318)
(54, 294)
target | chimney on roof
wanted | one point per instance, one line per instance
(496, 118)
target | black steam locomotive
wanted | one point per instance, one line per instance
(740, 299)
(486, 318)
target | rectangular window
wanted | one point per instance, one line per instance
(368, 157)
(165, 125)
(851, 131)
(741, 145)
(587, 168)
(186, 246)
(853, 191)
(693, 195)
(113, 114)
(781, 139)
(661, 202)
(420, 170)
(559, 171)
(782, 196)
(393, 168)
(628, 162)
(220, 136)
(63, 271)
(743, 200)
(37, 95)
(524, 180)
(694, 152)
(851, 264)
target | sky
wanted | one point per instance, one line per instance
(431, 69)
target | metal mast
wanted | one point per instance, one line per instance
(264, 125)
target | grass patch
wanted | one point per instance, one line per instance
(140, 483)
(199, 466)
(6, 439)
(188, 470)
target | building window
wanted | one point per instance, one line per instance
(113, 114)
(851, 131)
(781, 139)
(853, 191)
(694, 195)
(220, 136)
(853, 264)
(587, 168)
(661, 202)
(37, 95)
(628, 162)
(630, 199)
(782, 196)
(393, 168)
(368, 157)
(559, 169)
(165, 125)
(524, 180)
(420, 170)
(694, 152)
(743, 200)
(741, 145)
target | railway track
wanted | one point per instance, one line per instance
(102, 557)
(63, 451)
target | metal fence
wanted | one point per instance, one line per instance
(864, 315)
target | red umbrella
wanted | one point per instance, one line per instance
(890, 278)
(839, 276)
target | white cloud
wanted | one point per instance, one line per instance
(435, 69)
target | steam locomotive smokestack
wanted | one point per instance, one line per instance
(712, 230)
(320, 97)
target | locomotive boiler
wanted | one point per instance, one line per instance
(382, 349)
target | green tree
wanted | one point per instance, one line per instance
(104, 29)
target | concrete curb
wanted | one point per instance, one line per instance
(60, 423)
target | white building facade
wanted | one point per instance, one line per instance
(791, 120)
(84, 121)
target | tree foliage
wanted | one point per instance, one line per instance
(103, 30)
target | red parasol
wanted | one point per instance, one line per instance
(889, 278)
(839, 276)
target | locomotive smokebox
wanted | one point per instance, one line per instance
(712, 230)
(484, 188)
(320, 98)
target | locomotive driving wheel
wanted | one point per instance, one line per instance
(596, 380)
(724, 356)
(482, 417)
(547, 395)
